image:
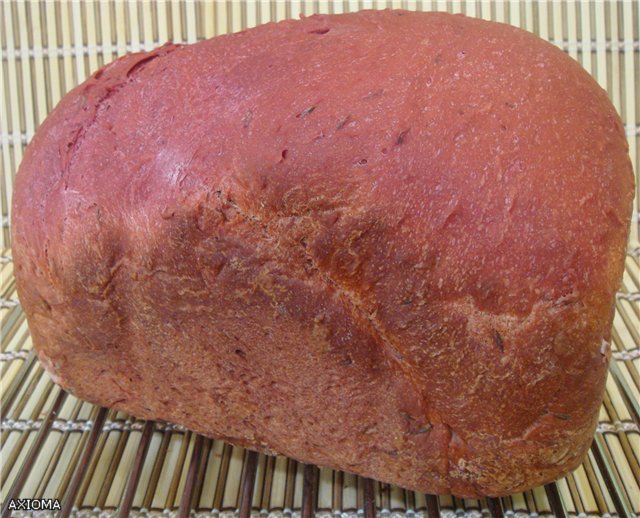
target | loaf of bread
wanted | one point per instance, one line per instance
(385, 242)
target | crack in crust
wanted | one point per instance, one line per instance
(357, 307)
(351, 299)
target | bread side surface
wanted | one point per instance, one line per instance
(383, 242)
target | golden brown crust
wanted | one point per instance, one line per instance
(384, 242)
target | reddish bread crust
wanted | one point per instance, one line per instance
(383, 242)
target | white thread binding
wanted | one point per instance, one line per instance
(58, 52)
(62, 52)
(631, 297)
(62, 425)
(8, 356)
(631, 354)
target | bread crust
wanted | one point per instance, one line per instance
(383, 242)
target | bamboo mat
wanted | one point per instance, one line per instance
(52, 444)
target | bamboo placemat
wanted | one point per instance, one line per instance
(108, 461)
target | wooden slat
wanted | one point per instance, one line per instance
(309, 491)
(433, 506)
(495, 507)
(69, 497)
(557, 507)
(124, 508)
(369, 499)
(34, 451)
(248, 481)
(187, 496)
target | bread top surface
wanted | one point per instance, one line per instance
(463, 184)
(476, 136)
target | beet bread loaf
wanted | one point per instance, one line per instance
(384, 242)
